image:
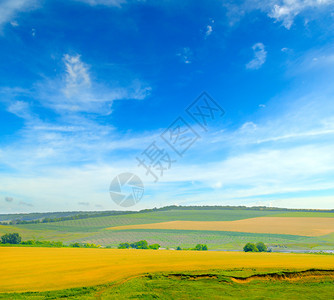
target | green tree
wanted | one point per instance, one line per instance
(250, 247)
(201, 247)
(124, 246)
(261, 247)
(154, 246)
(11, 238)
(178, 248)
(140, 245)
(28, 242)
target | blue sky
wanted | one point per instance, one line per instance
(86, 86)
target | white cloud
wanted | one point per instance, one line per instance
(323, 202)
(185, 55)
(260, 56)
(72, 137)
(281, 154)
(248, 126)
(117, 3)
(285, 11)
(287, 51)
(285, 153)
(288, 152)
(76, 92)
(14, 23)
(10, 8)
(77, 76)
(20, 108)
(208, 30)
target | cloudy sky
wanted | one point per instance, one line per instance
(90, 89)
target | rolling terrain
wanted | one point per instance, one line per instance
(225, 229)
(33, 273)
(276, 225)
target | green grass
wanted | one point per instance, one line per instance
(166, 288)
(195, 285)
(43, 235)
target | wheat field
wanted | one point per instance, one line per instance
(275, 225)
(42, 269)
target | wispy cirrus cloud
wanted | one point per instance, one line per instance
(260, 56)
(75, 91)
(117, 3)
(10, 8)
(281, 11)
(186, 55)
(209, 28)
(76, 100)
(265, 161)
(285, 11)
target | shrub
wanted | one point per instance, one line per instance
(28, 242)
(154, 246)
(261, 247)
(11, 238)
(88, 245)
(140, 245)
(201, 247)
(250, 247)
(42, 243)
(124, 246)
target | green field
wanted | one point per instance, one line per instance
(93, 230)
(216, 284)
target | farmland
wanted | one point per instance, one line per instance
(276, 225)
(39, 269)
(81, 273)
(147, 225)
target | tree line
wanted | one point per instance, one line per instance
(16, 239)
(138, 245)
(258, 247)
(166, 208)
(144, 245)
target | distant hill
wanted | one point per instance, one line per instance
(72, 215)
(97, 227)
(50, 215)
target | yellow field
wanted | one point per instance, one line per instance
(278, 225)
(40, 269)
